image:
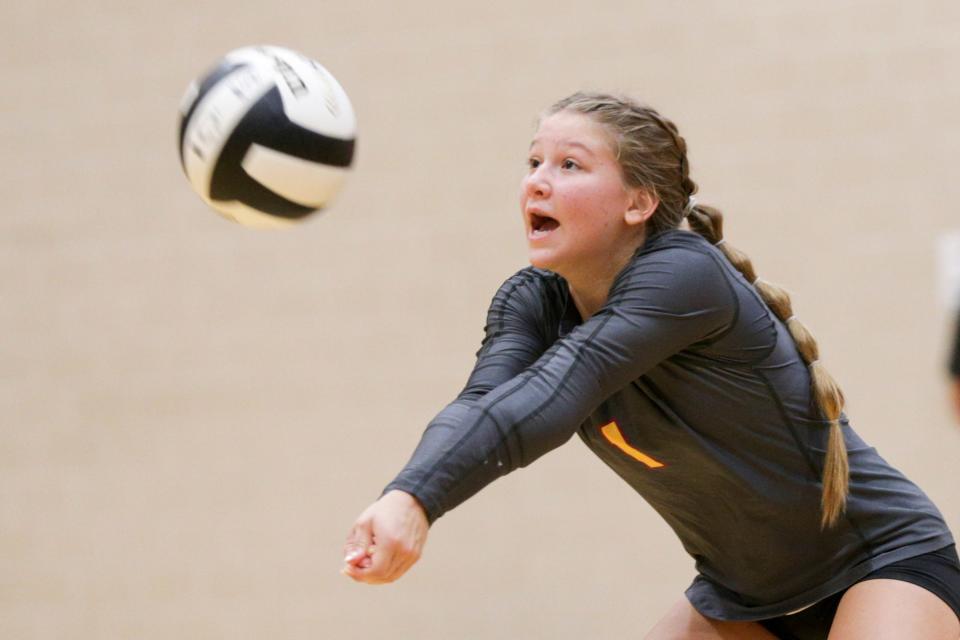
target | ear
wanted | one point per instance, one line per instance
(643, 203)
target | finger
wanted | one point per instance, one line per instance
(359, 540)
(357, 555)
(404, 561)
(359, 575)
(397, 560)
(365, 572)
(376, 564)
(369, 564)
(406, 553)
(404, 556)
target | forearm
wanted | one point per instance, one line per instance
(440, 431)
(510, 427)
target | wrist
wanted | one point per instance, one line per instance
(405, 499)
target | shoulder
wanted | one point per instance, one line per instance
(680, 247)
(531, 301)
(530, 288)
(676, 266)
(677, 254)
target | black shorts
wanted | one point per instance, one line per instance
(937, 572)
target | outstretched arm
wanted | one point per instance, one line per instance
(387, 538)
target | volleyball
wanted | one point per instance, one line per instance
(266, 136)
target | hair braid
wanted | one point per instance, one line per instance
(827, 394)
(687, 186)
(653, 155)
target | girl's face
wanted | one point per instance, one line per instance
(577, 212)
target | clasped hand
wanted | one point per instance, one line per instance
(386, 540)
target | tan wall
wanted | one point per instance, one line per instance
(192, 413)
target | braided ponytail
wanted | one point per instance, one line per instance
(653, 155)
(708, 222)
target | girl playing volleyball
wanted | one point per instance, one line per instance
(694, 381)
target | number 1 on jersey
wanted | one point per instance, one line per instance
(614, 436)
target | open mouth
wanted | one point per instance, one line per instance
(541, 225)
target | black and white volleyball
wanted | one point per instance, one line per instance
(266, 136)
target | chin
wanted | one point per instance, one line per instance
(538, 260)
(543, 260)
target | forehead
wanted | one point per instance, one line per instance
(571, 128)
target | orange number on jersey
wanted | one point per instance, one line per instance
(615, 437)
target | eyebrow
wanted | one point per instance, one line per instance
(568, 143)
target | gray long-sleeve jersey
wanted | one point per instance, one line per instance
(690, 389)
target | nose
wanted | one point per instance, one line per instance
(535, 184)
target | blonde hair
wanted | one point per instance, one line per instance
(653, 155)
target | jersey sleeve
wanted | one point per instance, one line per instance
(514, 337)
(659, 304)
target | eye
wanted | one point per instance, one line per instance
(533, 163)
(570, 164)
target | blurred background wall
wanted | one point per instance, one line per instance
(193, 413)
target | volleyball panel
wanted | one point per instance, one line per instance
(307, 183)
(214, 119)
(312, 97)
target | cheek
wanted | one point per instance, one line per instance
(600, 216)
(595, 194)
(611, 204)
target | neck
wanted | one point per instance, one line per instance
(588, 302)
(590, 287)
